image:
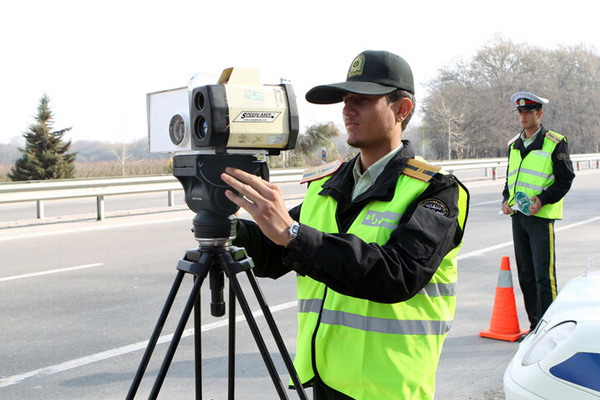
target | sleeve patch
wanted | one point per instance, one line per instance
(436, 206)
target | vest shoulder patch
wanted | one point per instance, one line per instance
(554, 136)
(321, 171)
(420, 170)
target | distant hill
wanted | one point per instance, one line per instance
(8, 154)
(91, 151)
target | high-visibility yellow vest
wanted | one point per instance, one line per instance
(365, 349)
(533, 174)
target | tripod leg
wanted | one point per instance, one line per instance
(176, 338)
(231, 351)
(198, 346)
(276, 335)
(257, 335)
(155, 335)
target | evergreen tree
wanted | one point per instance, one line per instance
(45, 154)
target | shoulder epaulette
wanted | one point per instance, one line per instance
(512, 140)
(555, 137)
(314, 173)
(420, 170)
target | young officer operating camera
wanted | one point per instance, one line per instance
(374, 244)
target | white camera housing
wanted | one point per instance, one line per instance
(163, 108)
(235, 114)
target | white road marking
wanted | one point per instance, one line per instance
(484, 203)
(509, 243)
(52, 271)
(576, 224)
(96, 227)
(80, 362)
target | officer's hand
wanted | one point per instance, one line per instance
(506, 208)
(263, 201)
(535, 206)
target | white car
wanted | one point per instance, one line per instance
(561, 358)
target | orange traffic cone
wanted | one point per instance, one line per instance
(504, 324)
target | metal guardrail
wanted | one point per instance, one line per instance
(40, 191)
(493, 164)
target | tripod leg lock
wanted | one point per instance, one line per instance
(237, 260)
(195, 263)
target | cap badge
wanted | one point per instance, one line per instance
(356, 68)
(521, 102)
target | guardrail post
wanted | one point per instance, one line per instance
(100, 207)
(577, 165)
(487, 172)
(40, 209)
(494, 175)
(171, 198)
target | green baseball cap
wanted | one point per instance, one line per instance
(372, 72)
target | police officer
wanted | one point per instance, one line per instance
(374, 246)
(539, 172)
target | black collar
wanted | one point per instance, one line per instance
(537, 144)
(342, 182)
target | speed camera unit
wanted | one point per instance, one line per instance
(233, 115)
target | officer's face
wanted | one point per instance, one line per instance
(370, 121)
(530, 119)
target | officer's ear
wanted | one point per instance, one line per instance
(404, 107)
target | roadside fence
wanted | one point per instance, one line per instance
(41, 191)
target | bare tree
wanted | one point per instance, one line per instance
(449, 122)
(468, 113)
(122, 154)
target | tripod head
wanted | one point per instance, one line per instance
(200, 175)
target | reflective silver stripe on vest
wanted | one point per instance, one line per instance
(310, 305)
(373, 324)
(512, 173)
(529, 186)
(439, 289)
(537, 173)
(541, 153)
(385, 219)
(382, 325)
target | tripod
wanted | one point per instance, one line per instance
(215, 257)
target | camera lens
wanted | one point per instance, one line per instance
(199, 101)
(177, 129)
(201, 128)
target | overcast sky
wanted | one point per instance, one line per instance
(97, 60)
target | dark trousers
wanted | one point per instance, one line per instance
(535, 254)
(323, 392)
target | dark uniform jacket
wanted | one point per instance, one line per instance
(561, 165)
(390, 273)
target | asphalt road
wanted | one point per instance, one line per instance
(79, 298)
